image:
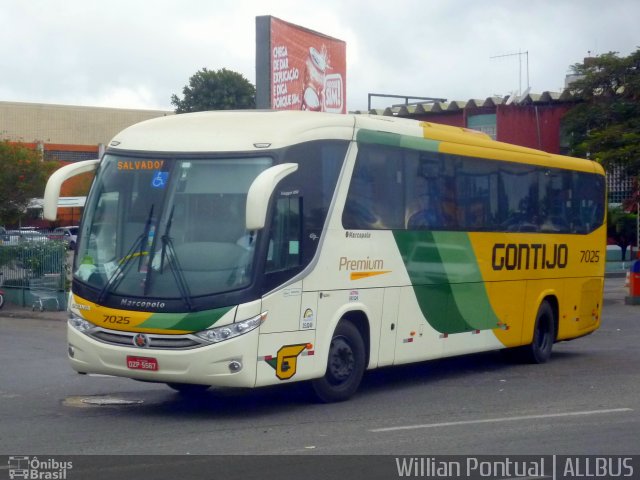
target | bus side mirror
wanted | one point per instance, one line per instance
(260, 192)
(54, 184)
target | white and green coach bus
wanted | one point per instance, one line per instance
(244, 249)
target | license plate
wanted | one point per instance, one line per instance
(142, 363)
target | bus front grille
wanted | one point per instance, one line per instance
(154, 341)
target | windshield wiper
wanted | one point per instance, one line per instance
(169, 251)
(118, 274)
(146, 240)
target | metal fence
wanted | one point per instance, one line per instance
(27, 264)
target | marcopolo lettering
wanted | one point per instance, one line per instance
(125, 302)
(529, 256)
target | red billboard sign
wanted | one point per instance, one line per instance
(306, 70)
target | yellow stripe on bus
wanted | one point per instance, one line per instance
(361, 275)
(111, 318)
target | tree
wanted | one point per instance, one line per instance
(605, 125)
(621, 228)
(24, 176)
(216, 90)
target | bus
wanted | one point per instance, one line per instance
(252, 248)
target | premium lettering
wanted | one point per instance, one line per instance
(360, 264)
(529, 256)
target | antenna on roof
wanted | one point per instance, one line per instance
(512, 97)
(519, 54)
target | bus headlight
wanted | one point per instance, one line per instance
(80, 323)
(220, 334)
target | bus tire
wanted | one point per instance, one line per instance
(345, 365)
(189, 388)
(544, 334)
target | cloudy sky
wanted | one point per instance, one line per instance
(137, 53)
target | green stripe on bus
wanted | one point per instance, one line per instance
(396, 140)
(192, 322)
(446, 280)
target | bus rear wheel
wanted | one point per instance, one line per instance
(345, 365)
(544, 334)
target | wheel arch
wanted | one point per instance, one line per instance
(361, 321)
(537, 348)
(552, 300)
(534, 303)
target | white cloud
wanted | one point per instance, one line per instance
(137, 54)
(123, 97)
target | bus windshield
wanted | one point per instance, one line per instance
(168, 228)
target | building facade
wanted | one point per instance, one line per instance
(65, 134)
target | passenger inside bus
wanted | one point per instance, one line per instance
(421, 212)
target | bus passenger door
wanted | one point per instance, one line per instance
(284, 309)
(284, 260)
(286, 350)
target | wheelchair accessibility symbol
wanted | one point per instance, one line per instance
(159, 179)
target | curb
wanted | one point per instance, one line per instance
(621, 274)
(14, 311)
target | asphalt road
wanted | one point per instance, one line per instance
(585, 401)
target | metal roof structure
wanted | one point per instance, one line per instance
(436, 107)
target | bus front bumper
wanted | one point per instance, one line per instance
(231, 363)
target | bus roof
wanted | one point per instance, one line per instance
(248, 130)
(236, 130)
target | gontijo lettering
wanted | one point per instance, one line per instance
(525, 256)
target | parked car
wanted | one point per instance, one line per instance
(14, 237)
(68, 234)
(3, 235)
(32, 236)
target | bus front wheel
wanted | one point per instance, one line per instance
(345, 366)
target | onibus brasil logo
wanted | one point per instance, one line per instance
(38, 469)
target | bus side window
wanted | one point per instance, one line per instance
(375, 199)
(284, 242)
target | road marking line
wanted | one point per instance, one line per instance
(503, 419)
